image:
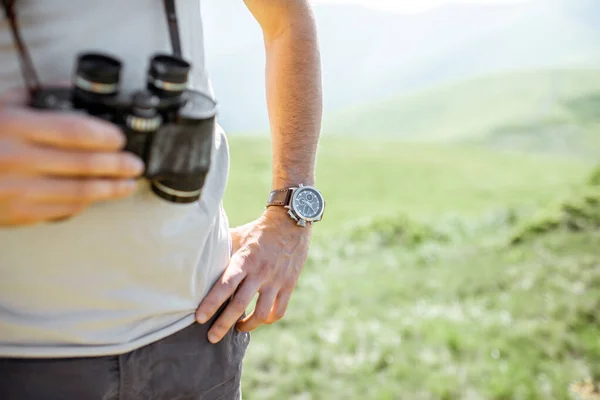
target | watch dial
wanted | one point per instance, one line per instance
(308, 203)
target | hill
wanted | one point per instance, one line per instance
(369, 54)
(364, 179)
(543, 110)
(439, 272)
(480, 322)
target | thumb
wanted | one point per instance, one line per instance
(14, 97)
(19, 96)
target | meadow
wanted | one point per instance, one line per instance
(448, 268)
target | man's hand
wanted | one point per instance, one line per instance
(53, 165)
(271, 251)
(268, 257)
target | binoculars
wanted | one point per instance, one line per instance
(170, 127)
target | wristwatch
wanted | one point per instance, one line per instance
(305, 204)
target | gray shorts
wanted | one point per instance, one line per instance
(184, 366)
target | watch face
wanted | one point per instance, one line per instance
(308, 203)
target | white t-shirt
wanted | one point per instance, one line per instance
(123, 273)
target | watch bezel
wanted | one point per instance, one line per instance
(295, 193)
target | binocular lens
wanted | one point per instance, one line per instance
(98, 74)
(168, 74)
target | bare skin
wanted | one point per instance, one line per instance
(53, 165)
(270, 252)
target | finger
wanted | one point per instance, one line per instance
(81, 164)
(20, 97)
(222, 290)
(14, 97)
(261, 312)
(280, 307)
(233, 311)
(30, 213)
(60, 129)
(74, 191)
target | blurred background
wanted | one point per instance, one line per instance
(459, 257)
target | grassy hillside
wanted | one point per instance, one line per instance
(366, 179)
(447, 267)
(440, 273)
(437, 322)
(544, 110)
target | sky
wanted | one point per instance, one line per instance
(409, 6)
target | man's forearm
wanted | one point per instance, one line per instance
(294, 97)
(268, 255)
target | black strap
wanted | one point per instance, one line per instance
(28, 71)
(171, 14)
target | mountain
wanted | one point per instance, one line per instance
(539, 110)
(368, 55)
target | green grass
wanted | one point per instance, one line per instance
(365, 179)
(425, 298)
(450, 269)
(475, 322)
(580, 212)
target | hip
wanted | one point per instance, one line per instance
(74, 294)
(184, 366)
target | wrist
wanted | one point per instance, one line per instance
(284, 181)
(280, 217)
(302, 204)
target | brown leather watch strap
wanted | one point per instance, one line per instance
(280, 197)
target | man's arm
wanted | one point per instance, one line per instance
(293, 79)
(270, 252)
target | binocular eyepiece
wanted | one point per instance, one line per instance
(98, 76)
(101, 74)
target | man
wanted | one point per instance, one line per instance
(106, 290)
